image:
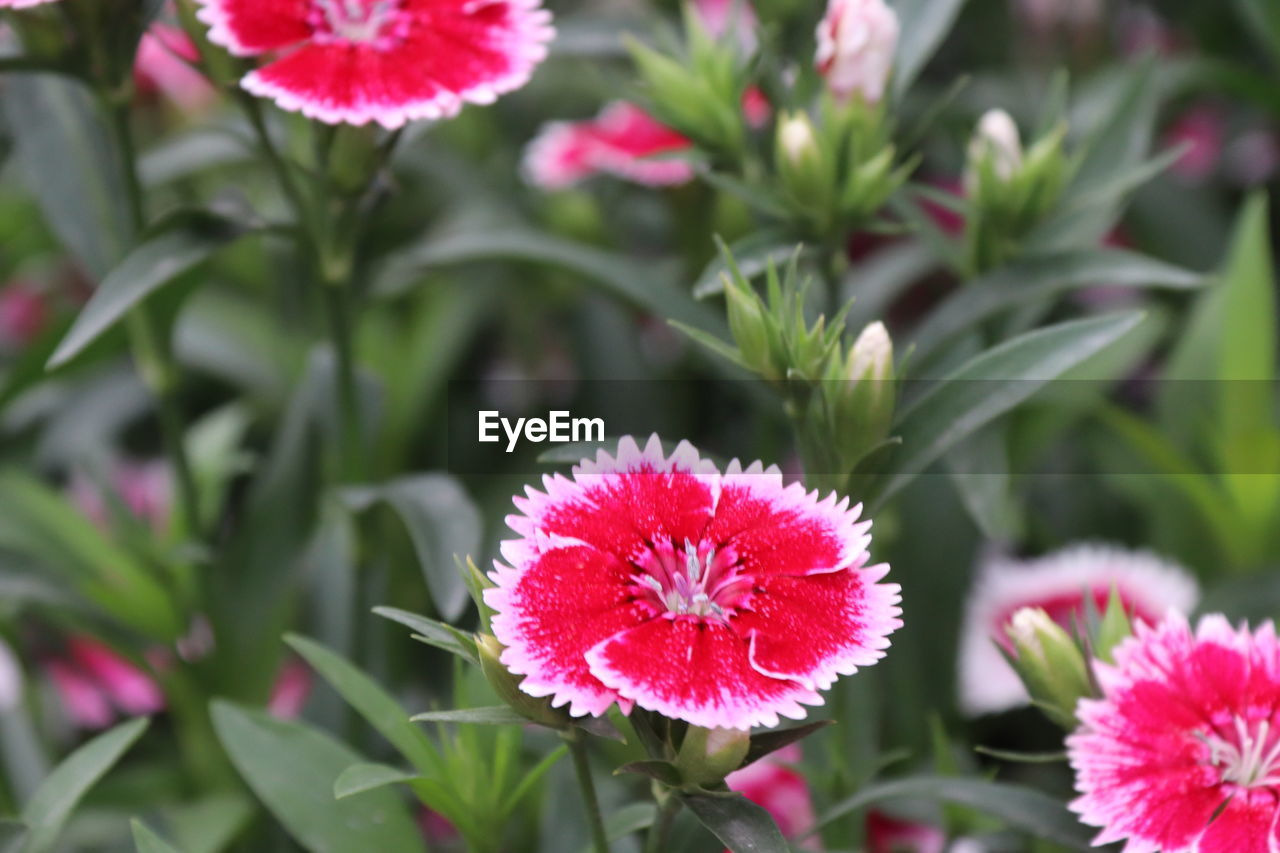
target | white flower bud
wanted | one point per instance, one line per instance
(996, 138)
(856, 44)
(795, 138)
(10, 678)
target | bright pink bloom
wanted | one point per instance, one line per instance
(23, 315)
(163, 65)
(1202, 133)
(22, 4)
(1182, 754)
(291, 690)
(756, 108)
(724, 600)
(774, 784)
(145, 489)
(886, 834)
(95, 683)
(720, 17)
(384, 61)
(624, 141)
(1058, 583)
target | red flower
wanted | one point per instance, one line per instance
(724, 600)
(1182, 754)
(623, 141)
(886, 834)
(774, 784)
(24, 314)
(94, 682)
(389, 61)
(163, 65)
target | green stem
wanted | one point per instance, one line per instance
(338, 313)
(152, 349)
(668, 808)
(582, 768)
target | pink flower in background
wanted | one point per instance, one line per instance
(362, 61)
(145, 489)
(1058, 583)
(10, 678)
(725, 600)
(95, 684)
(774, 784)
(1201, 131)
(1047, 15)
(886, 834)
(1253, 158)
(756, 108)
(719, 17)
(623, 141)
(22, 4)
(23, 315)
(163, 66)
(856, 44)
(1182, 753)
(291, 690)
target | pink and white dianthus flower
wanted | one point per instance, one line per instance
(1182, 753)
(722, 599)
(384, 61)
(857, 40)
(1060, 584)
(623, 141)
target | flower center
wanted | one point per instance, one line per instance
(696, 581)
(1250, 758)
(358, 21)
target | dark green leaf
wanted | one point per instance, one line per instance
(1020, 808)
(1023, 757)
(628, 819)
(359, 778)
(752, 256)
(663, 771)
(773, 740)
(292, 768)
(172, 248)
(146, 841)
(990, 385)
(495, 715)
(924, 25)
(740, 824)
(443, 523)
(434, 633)
(371, 701)
(53, 802)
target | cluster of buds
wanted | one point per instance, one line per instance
(842, 399)
(834, 174)
(1009, 189)
(1054, 662)
(701, 93)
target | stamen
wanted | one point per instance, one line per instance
(1253, 761)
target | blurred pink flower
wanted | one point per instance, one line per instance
(1058, 583)
(291, 690)
(145, 489)
(24, 313)
(723, 16)
(22, 4)
(1202, 132)
(1143, 31)
(163, 66)
(1073, 15)
(856, 44)
(1182, 753)
(95, 684)
(756, 108)
(1253, 158)
(776, 785)
(436, 828)
(623, 141)
(886, 834)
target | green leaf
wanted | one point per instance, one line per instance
(359, 778)
(371, 701)
(68, 160)
(740, 824)
(1041, 277)
(146, 841)
(170, 249)
(1022, 757)
(292, 768)
(630, 818)
(494, 715)
(442, 521)
(53, 802)
(772, 740)
(434, 633)
(633, 282)
(990, 385)
(752, 255)
(1019, 808)
(209, 824)
(924, 25)
(1262, 21)
(655, 768)
(12, 835)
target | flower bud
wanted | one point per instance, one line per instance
(856, 44)
(1050, 663)
(748, 324)
(795, 139)
(507, 685)
(864, 395)
(804, 167)
(995, 145)
(708, 755)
